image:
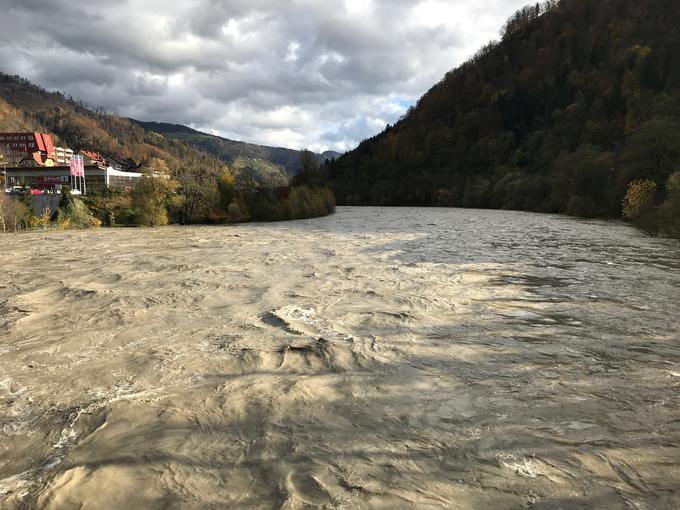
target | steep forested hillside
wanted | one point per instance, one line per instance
(24, 106)
(577, 99)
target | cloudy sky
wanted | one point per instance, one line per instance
(320, 74)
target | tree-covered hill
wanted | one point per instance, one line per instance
(577, 99)
(275, 165)
(24, 106)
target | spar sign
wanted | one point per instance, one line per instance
(49, 181)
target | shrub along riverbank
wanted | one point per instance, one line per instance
(155, 205)
(150, 210)
(643, 207)
(17, 213)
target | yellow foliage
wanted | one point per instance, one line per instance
(40, 221)
(226, 176)
(638, 53)
(63, 223)
(639, 198)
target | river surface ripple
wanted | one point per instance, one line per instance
(378, 358)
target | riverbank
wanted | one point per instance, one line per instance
(109, 209)
(382, 358)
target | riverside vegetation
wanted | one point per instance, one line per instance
(639, 207)
(163, 197)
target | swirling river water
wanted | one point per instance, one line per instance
(377, 358)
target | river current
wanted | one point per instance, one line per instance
(377, 358)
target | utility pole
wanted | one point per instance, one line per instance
(3, 200)
(4, 172)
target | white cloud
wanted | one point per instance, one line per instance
(304, 73)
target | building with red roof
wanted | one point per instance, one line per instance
(16, 147)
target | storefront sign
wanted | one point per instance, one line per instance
(51, 179)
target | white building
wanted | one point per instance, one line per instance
(62, 156)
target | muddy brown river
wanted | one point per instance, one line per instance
(378, 358)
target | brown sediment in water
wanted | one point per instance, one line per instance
(379, 358)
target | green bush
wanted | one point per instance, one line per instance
(311, 202)
(236, 215)
(76, 214)
(112, 209)
(150, 201)
(302, 202)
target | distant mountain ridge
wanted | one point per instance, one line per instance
(331, 155)
(269, 164)
(577, 99)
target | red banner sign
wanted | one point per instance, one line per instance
(77, 166)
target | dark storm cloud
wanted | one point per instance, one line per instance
(298, 73)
